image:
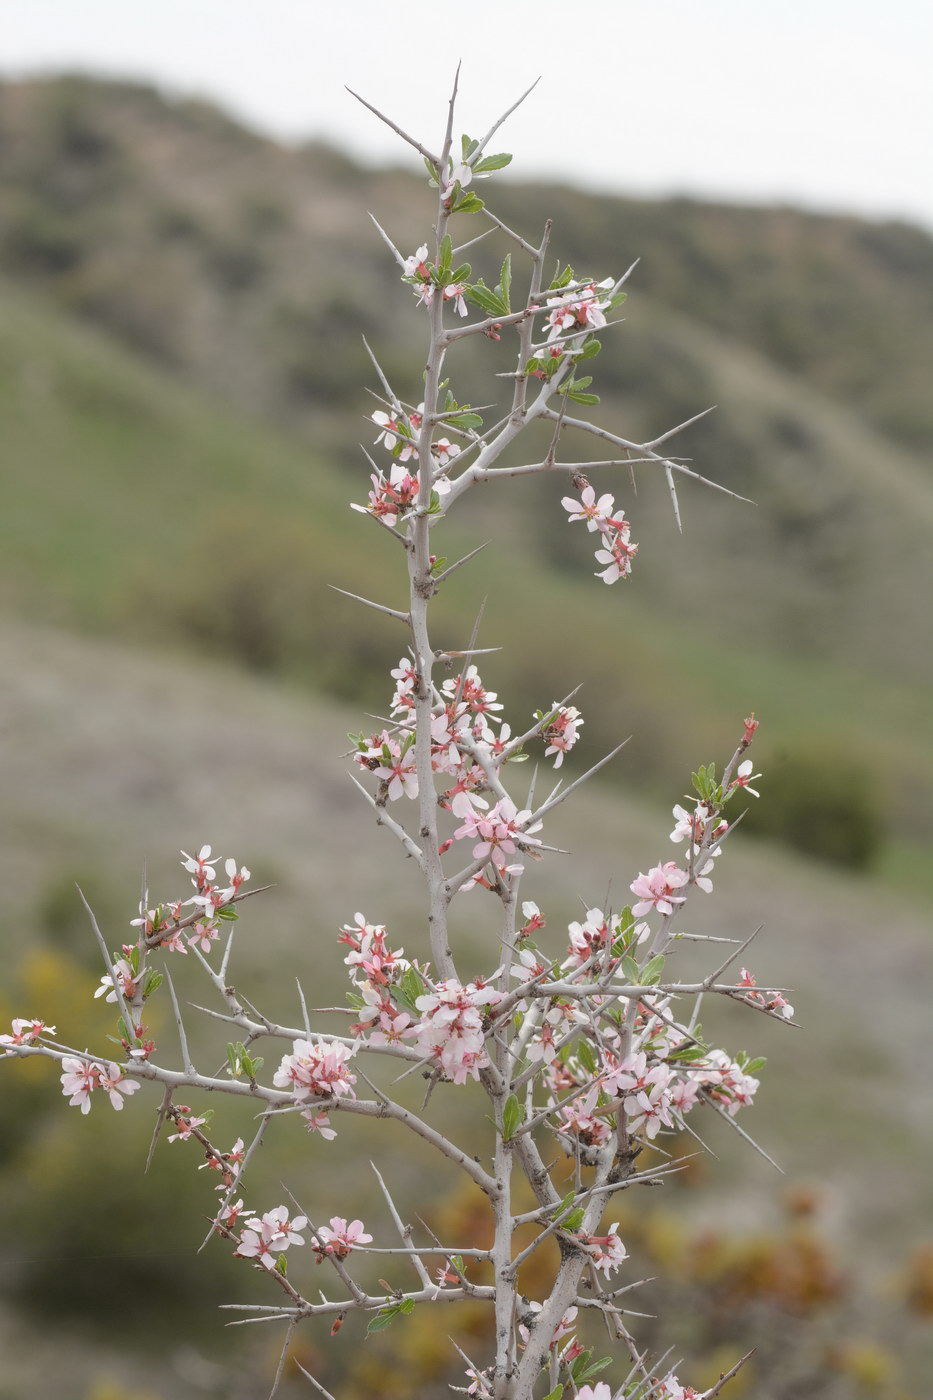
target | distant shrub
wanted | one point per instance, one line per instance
(823, 802)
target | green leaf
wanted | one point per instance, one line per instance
(480, 294)
(580, 1364)
(431, 169)
(594, 1370)
(469, 203)
(409, 988)
(445, 255)
(561, 279)
(631, 971)
(386, 1316)
(566, 1203)
(651, 972)
(574, 1219)
(505, 280)
(512, 1116)
(590, 348)
(755, 1065)
(466, 147)
(582, 398)
(465, 420)
(228, 912)
(498, 162)
(586, 1056)
(461, 273)
(281, 1267)
(555, 1394)
(152, 983)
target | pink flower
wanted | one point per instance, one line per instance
(231, 1213)
(561, 732)
(454, 291)
(608, 1251)
(656, 889)
(617, 552)
(579, 310)
(500, 831)
(415, 266)
(319, 1122)
(600, 1391)
(534, 919)
(339, 1238)
(316, 1069)
(201, 867)
(267, 1238)
(744, 776)
(595, 512)
(388, 422)
(186, 1123)
(115, 1083)
(451, 1028)
(26, 1031)
(79, 1079)
(673, 1390)
(203, 933)
(125, 979)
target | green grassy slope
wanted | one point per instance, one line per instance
(113, 759)
(133, 504)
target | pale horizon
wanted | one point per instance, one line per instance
(824, 106)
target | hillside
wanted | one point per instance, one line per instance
(112, 759)
(182, 393)
(136, 506)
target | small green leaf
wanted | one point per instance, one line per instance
(384, 1318)
(446, 254)
(555, 1394)
(586, 1056)
(579, 1365)
(590, 348)
(492, 304)
(582, 398)
(631, 971)
(755, 1065)
(594, 1370)
(409, 989)
(152, 983)
(431, 169)
(574, 1220)
(470, 203)
(461, 273)
(498, 162)
(512, 1116)
(505, 279)
(651, 972)
(561, 279)
(281, 1267)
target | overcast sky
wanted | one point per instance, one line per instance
(825, 103)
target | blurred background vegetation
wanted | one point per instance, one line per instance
(182, 398)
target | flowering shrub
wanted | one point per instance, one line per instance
(591, 1047)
